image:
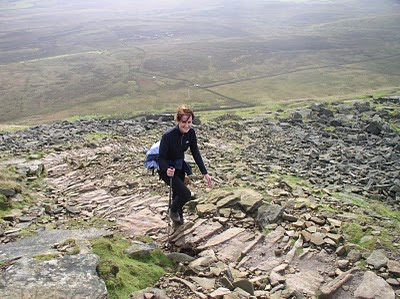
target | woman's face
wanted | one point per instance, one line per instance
(185, 124)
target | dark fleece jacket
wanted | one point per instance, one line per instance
(173, 146)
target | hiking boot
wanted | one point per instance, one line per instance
(174, 216)
(181, 221)
(175, 225)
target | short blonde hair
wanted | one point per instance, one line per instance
(183, 110)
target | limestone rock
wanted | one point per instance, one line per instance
(42, 242)
(394, 267)
(374, 287)
(328, 290)
(276, 278)
(8, 191)
(374, 127)
(155, 293)
(227, 283)
(180, 257)
(140, 249)
(206, 209)
(205, 283)
(71, 276)
(228, 201)
(200, 263)
(244, 284)
(354, 255)
(31, 168)
(289, 217)
(377, 259)
(219, 293)
(393, 282)
(317, 239)
(268, 214)
(307, 282)
(240, 293)
(250, 200)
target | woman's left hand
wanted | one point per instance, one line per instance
(207, 177)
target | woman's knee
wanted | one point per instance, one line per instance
(187, 194)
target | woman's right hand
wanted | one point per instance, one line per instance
(170, 171)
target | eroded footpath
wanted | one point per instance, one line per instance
(296, 211)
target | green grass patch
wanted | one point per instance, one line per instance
(5, 202)
(362, 264)
(11, 128)
(293, 180)
(353, 198)
(354, 232)
(35, 156)
(299, 251)
(145, 239)
(328, 208)
(10, 184)
(266, 231)
(377, 206)
(73, 246)
(47, 257)
(7, 206)
(28, 231)
(395, 127)
(96, 136)
(385, 240)
(329, 129)
(385, 210)
(124, 275)
(10, 180)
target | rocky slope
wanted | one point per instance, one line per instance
(303, 204)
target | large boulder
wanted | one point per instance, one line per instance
(72, 276)
(374, 287)
(268, 214)
(140, 249)
(250, 200)
(377, 259)
(31, 168)
(43, 242)
(374, 128)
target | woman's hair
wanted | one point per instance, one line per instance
(183, 110)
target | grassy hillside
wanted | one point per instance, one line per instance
(133, 57)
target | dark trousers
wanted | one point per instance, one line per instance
(180, 193)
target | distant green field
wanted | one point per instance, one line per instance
(130, 58)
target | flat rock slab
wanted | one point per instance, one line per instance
(43, 242)
(322, 261)
(343, 286)
(262, 255)
(221, 238)
(199, 234)
(306, 282)
(205, 283)
(232, 249)
(142, 223)
(68, 277)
